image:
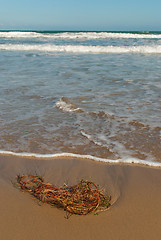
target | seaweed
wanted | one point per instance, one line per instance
(81, 199)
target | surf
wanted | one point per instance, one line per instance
(79, 35)
(155, 49)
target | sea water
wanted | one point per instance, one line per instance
(82, 94)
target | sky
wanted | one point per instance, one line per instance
(125, 15)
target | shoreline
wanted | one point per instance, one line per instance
(135, 191)
(126, 161)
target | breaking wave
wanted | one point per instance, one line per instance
(155, 49)
(65, 105)
(78, 35)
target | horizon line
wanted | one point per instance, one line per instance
(61, 30)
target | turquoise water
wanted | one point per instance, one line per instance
(93, 93)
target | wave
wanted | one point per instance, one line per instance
(155, 49)
(65, 105)
(128, 160)
(78, 35)
(18, 34)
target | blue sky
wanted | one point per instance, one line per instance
(80, 15)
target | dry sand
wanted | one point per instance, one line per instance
(136, 196)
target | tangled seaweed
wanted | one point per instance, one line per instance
(81, 199)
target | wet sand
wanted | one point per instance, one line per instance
(136, 198)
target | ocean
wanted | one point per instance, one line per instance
(93, 95)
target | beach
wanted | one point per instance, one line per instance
(81, 105)
(135, 192)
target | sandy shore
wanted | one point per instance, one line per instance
(136, 197)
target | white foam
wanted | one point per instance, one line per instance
(103, 141)
(104, 35)
(93, 140)
(78, 35)
(128, 160)
(18, 34)
(155, 49)
(66, 106)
